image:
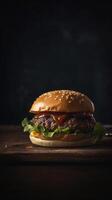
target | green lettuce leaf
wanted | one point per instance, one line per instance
(57, 131)
(28, 126)
(98, 132)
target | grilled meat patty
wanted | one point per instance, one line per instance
(78, 121)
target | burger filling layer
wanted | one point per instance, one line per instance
(62, 126)
(80, 121)
(65, 123)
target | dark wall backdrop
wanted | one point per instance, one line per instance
(47, 46)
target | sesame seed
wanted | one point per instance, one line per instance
(71, 97)
(69, 101)
(67, 97)
(49, 96)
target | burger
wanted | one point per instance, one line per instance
(63, 118)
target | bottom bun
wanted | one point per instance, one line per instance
(58, 143)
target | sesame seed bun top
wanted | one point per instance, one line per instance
(62, 101)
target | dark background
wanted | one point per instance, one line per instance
(47, 46)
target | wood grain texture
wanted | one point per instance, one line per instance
(15, 147)
(76, 173)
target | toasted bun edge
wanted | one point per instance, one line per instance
(58, 143)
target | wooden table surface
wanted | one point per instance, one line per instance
(31, 172)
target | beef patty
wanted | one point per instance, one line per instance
(84, 122)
